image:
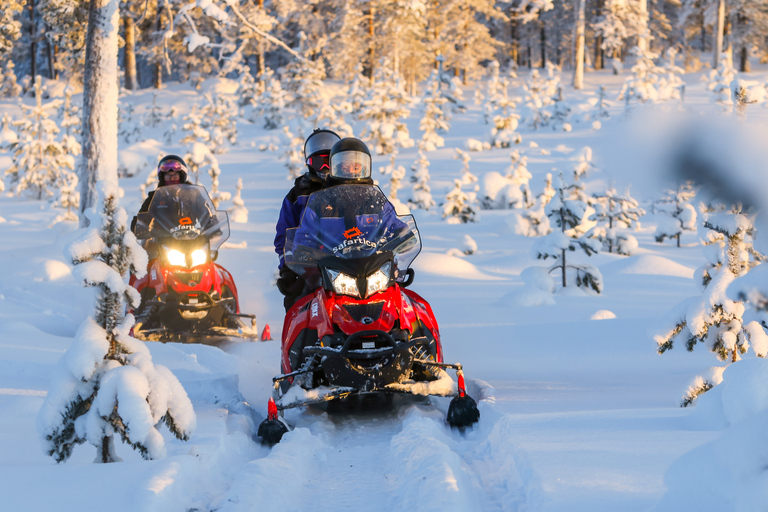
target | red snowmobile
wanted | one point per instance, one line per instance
(361, 331)
(186, 296)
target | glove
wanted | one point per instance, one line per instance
(287, 281)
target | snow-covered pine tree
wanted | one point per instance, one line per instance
(10, 26)
(8, 137)
(714, 319)
(565, 216)
(459, 206)
(293, 154)
(128, 129)
(69, 199)
(470, 246)
(384, 111)
(154, 115)
(201, 158)
(396, 174)
(643, 84)
(422, 194)
(675, 213)
(560, 112)
(238, 212)
(41, 163)
(272, 102)
(9, 87)
(612, 211)
(671, 86)
(505, 121)
(533, 220)
(194, 125)
(218, 116)
(719, 82)
(742, 95)
(467, 178)
(106, 383)
(494, 93)
(583, 163)
(434, 119)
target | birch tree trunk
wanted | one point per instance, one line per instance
(578, 73)
(720, 30)
(100, 93)
(642, 38)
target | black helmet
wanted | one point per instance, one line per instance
(171, 163)
(350, 161)
(316, 149)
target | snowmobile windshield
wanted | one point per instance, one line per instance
(183, 212)
(348, 222)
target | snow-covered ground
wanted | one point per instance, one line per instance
(578, 412)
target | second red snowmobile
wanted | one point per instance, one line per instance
(361, 331)
(186, 296)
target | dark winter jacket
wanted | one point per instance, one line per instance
(293, 207)
(145, 205)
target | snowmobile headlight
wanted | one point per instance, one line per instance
(199, 257)
(344, 284)
(176, 258)
(378, 281)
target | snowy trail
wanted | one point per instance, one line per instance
(397, 457)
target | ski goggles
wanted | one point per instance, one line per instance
(172, 166)
(320, 163)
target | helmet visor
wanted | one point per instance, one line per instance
(351, 165)
(320, 141)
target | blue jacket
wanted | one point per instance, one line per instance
(293, 207)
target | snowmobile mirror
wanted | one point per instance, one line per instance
(214, 255)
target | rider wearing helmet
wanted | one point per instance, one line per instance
(171, 170)
(350, 163)
(317, 150)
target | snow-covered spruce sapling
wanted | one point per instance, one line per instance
(9, 87)
(505, 121)
(434, 119)
(533, 220)
(565, 216)
(459, 206)
(714, 318)
(470, 246)
(272, 102)
(742, 96)
(238, 213)
(612, 211)
(384, 110)
(155, 115)
(106, 383)
(41, 163)
(643, 84)
(293, 153)
(396, 174)
(719, 82)
(219, 119)
(200, 158)
(674, 213)
(421, 197)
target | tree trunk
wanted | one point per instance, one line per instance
(578, 73)
(565, 281)
(719, 31)
(100, 96)
(514, 47)
(51, 53)
(642, 39)
(371, 46)
(744, 62)
(32, 39)
(129, 57)
(599, 52)
(157, 75)
(543, 45)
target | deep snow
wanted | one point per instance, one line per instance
(578, 412)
